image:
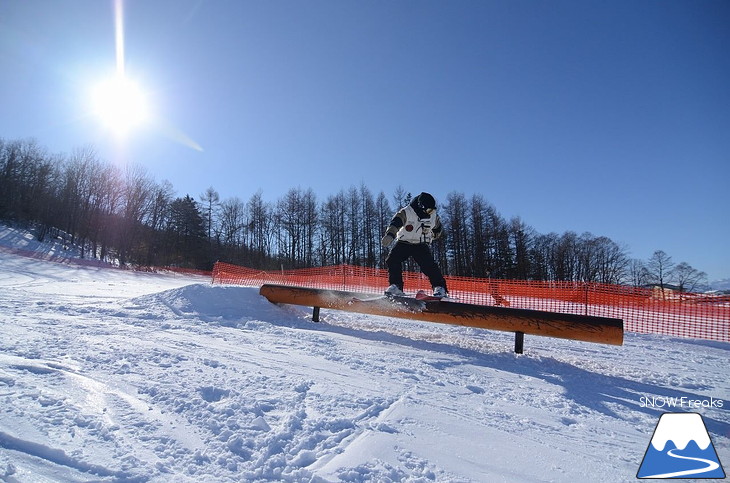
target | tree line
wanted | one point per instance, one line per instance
(123, 214)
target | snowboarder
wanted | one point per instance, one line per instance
(413, 228)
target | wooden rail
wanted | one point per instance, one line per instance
(585, 328)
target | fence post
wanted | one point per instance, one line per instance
(519, 342)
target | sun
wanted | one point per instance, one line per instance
(120, 104)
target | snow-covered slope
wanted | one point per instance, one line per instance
(721, 285)
(109, 375)
(25, 240)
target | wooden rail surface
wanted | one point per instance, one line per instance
(585, 328)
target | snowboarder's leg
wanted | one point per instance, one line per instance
(398, 254)
(423, 257)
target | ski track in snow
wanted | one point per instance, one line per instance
(108, 375)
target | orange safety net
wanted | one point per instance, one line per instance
(643, 310)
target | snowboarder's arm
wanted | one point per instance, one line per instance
(395, 224)
(437, 228)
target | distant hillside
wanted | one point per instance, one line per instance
(721, 285)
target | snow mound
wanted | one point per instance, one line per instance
(230, 306)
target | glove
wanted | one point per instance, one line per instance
(387, 240)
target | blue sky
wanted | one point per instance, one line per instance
(607, 117)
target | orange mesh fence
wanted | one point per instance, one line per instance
(642, 310)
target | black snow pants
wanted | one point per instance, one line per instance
(421, 253)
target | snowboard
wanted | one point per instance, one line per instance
(422, 295)
(415, 303)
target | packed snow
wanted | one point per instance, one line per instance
(112, 375)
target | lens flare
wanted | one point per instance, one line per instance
(119, 35)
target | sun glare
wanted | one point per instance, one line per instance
(120, 104)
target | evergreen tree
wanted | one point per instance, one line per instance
(186, 237)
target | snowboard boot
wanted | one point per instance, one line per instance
(394, 290)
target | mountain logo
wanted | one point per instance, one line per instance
(680, 448)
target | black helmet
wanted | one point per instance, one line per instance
(426, 202)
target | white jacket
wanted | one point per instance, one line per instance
(413, 228)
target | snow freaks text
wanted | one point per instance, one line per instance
(679, 402)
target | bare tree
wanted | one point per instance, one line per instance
(480, 237)
(688, 278)
(259, 228)
(310, 223)
(28, 182)
(565, 257)
(612, 261)
(353, 226)
(638, 273)
(296, 217)
(76, 194)
(289, 233)
(106, 198)
(370, 227)
(138, 188)
(660, 269)
(232, 221)
(156, 220)
(520, 238)
(541, 254)
(455, 212)
(211, 200)
(383, 213)
(334, 239)
(401, 197)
